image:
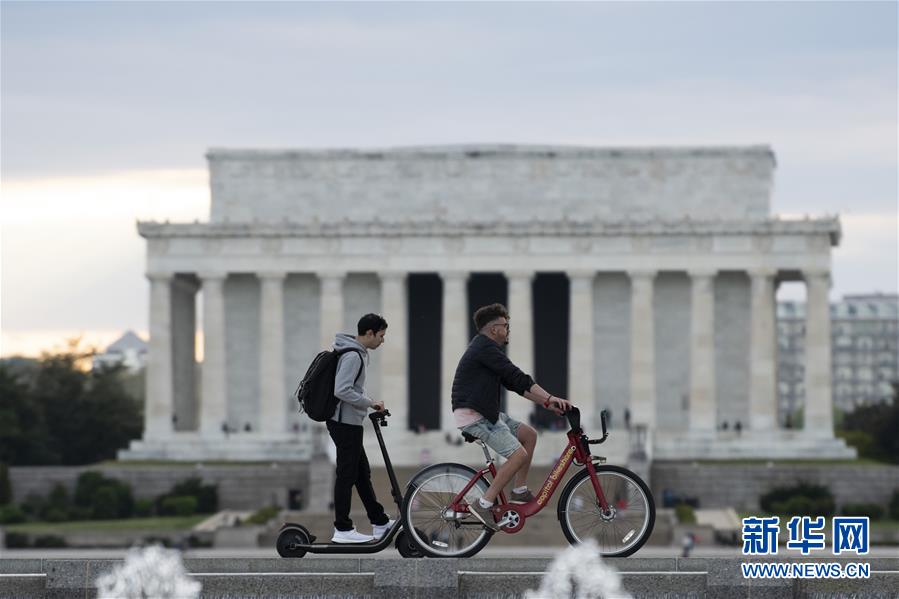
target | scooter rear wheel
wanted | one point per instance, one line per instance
(292, 535)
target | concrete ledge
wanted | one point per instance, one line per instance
(23, 586)
(475, 578)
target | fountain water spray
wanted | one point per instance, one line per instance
(148, 572)
(579, 573)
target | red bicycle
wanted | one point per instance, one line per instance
(608, 504)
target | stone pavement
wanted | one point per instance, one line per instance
(473, 578)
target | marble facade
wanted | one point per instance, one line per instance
(671, 254)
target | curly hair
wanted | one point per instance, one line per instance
(485, 314)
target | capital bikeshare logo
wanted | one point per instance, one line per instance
(850, 536)
(554, 476)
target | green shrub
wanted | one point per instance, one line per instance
(11, 514)
(101, 495)
(16, 540)
(862, 441)
(105, 504)
(871, 510)
(803, 499)
(50, 541)
(34, 506)
(685, 513)
(263, 515)
(5, 484)
(86, 486)
(79, 513)
(59, 497)
(56, 515)
(144, 508)
(894, 505)
(207, 495)
(179, 506)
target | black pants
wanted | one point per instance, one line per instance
(352, 470)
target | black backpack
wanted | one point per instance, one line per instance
(316, 391)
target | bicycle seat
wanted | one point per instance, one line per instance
(469, 438)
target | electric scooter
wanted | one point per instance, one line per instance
(295, 540)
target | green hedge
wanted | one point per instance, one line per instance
(803, 499)
(871, 510)
(179, 506)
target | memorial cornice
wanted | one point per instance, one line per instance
(442, 152)
(563, 228)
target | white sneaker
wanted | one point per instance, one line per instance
(350, 536)
(379, 530)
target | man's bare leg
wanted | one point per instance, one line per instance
(505, 473)
(527, 436)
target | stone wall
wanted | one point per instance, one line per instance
(739, 485)
(517, 183)
(246, 487)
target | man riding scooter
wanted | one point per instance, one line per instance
(345, 429)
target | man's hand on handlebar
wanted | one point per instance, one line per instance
(558, 405)
(378, 406)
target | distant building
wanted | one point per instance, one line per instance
(864, 349)
(129, 350)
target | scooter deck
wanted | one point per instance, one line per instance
(372, 546)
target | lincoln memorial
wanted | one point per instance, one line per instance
(639, 280)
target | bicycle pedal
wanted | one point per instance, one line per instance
(504, 522)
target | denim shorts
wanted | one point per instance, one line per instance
(501, 437)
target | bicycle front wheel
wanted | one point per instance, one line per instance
(624, 528)
(430, 522)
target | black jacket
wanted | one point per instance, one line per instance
(481, 370)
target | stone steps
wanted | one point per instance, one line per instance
(474, 578)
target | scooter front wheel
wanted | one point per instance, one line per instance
(290, 536)
(406, 547)
(429, 521)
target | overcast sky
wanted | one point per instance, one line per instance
(107, 110)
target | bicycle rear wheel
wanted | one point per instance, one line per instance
(627, 525)
(430, 523)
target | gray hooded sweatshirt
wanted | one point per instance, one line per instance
(354, 403)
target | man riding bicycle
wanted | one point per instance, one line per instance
(476, 407)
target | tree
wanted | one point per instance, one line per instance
(879, 425)
(23, 431)
(63, 414)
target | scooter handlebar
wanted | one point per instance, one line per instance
(385, 413)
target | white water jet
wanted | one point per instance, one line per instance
(148, 573)
(579, 573)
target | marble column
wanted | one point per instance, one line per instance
(213, 399)
(703, 406)
(580, 348)
(643, 363)
(271, 355)
(454, 340)
(395, 358)
(331, 307)
(184, 351)
(763, 351)
(521, 340)
(160, 382)
(818, 402)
